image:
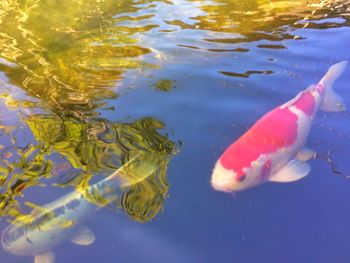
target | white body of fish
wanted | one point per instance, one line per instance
(61, 220)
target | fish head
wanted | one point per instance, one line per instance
(13, 241)
(228, 179)
(6, 241)
(17, 240)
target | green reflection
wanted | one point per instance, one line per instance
(165, 85)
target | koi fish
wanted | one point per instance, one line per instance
(56, 222)
(273, 149)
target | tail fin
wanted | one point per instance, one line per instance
(331, 101)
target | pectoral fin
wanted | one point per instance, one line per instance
(48, 257)
(305, 154)
(83, 237)
(292, 171)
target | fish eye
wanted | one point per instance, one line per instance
(241, 178)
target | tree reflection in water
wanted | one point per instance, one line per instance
(61, 60)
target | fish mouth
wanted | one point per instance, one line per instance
(221, 183)
(221, 187)
(222, 179)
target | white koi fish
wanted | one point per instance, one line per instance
(56, 222)
(273, 149)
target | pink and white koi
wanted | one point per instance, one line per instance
(273, 148)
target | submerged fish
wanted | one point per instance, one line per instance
(273, 149)
(56, 222)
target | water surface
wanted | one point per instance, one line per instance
(87, 85)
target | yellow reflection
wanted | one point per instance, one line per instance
(254, 20)
(70, 54)
(67, 58)
(143, 190)
(72, 152)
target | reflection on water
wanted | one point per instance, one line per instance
(70, 151)
(254, 20)
(62, 62)
(219, 26)
(48, 226)
(70, 53)
(67, 58)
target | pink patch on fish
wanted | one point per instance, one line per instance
(306, 103)
(276, 130)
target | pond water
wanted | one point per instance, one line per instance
(157, 90)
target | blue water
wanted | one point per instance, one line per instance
(303, 221)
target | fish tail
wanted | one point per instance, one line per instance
(332, 102)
